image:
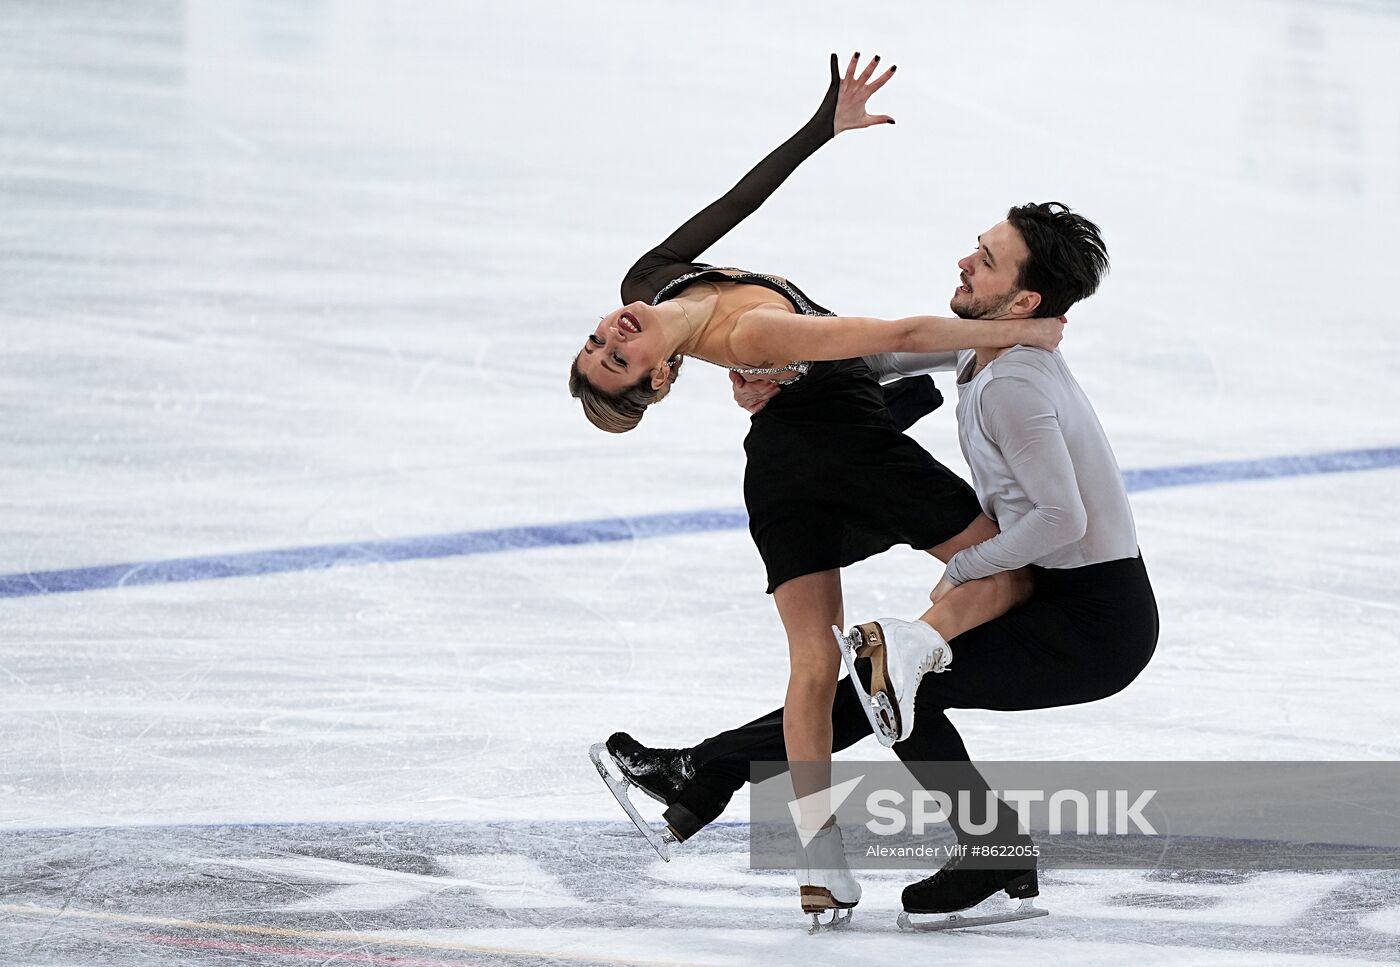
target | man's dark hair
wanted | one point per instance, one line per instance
(1067, 255)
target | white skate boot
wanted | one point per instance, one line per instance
(824, 878)
(900, 653)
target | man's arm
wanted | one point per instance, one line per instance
(888, 367)
(1022, 422)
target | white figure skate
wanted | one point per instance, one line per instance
(900, 653)
(824, 879)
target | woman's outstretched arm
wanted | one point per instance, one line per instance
(841, 109)
(770, 335)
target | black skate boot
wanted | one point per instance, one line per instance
(662, 774)
(956, 887)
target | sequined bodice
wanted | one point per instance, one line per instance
(804, 306)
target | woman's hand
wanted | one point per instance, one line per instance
(753, 394)
(1045, 333)
(855, 91)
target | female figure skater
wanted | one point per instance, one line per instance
(1045, 470)
(829, 480)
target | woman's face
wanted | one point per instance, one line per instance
(628, 344)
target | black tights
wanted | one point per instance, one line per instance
(1084, 634)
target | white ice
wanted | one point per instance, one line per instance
(280, 275)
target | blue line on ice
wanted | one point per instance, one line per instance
(316, 557)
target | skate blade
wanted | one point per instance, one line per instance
(839, 920)
(956, 921)
(818, 899)
(660, 841)
(878, 708)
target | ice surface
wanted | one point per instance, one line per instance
(280, 275)
(564, 891)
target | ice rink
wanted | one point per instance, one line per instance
(294, 285)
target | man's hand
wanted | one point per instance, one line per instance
(753, 394)
(855, 91)
(941, 589)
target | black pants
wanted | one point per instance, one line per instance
(1084, 634)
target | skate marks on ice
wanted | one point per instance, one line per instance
(583, 893)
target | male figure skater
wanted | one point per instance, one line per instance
(1044, 471)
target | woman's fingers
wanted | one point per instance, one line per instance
(869, 70)
(869, 86)
(872, 119)
(881, 81)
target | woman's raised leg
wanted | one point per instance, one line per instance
(976, 602)
(922, 646)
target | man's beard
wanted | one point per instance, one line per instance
(983, 308)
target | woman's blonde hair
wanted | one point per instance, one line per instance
(619, 412)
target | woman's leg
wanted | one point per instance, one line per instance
(809, 605)
(976, 602)
(982, 528)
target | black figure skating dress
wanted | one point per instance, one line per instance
(830, 478)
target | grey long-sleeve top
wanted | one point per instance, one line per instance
(1041, 463)
(1042, 468)
(891, 366)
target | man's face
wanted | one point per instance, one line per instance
(989, 275)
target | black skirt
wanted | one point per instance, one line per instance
(830, 481)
